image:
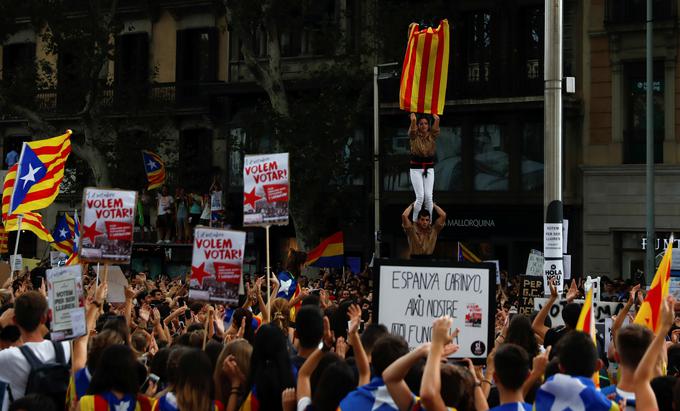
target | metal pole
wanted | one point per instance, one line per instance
(649, 192)
(266, 228)
(16, 247)
(376, 163)
(553, 102)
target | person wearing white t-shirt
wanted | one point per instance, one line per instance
(30, 315)
(164, 219)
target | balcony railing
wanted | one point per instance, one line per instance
(635, 11)
(158, 97)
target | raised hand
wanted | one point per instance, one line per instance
(354, 314)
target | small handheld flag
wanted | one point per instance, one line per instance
(650, 310)
(330, 253)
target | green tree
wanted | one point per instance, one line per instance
(315, 124)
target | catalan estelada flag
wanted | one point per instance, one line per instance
(425, 70)
(74, 225)
(63, 235)
(39, 173)
(650, 310)
(154, 168)
(464, 254)
(330, 253)
(586, 323)
(29, 221)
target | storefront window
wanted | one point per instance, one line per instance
(532, 157)
(491, 158)
(449, 168)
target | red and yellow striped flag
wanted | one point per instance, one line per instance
(30, 221)
(3, 240)
(425, 70)
(650, 310)
(586, 323)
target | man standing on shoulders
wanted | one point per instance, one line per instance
(422, 235)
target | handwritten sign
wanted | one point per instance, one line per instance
(411, 295)
(216, 265)
(530, 287)
(65, 300)
(553, 273)
(107, 226)
(266, 189)
(603, 309)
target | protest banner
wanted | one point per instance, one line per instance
(534, 264)
(216, 265)
(107, 225)
(265, 189)
(530, 287)
(603, 309)
(66, 302)
(412, 294)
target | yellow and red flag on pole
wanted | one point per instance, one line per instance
(586, 323)
(154, 168)
(650, 310)
(30, 221)
(425, 70)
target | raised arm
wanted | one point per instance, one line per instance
(405, 220)
(354, 313)
(394, 376)
(645, 399)
(304, 387)
(539, 322)
(413, 128)
(441, 217)
(434, 130)
(430, 385)
(621, 316)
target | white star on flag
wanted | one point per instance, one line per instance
(151, 164)
(30, 176)
(124, 405)
(62, 233)
(382, 397)
(285, 286)
(566, 391)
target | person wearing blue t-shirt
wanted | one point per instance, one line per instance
(511, 370)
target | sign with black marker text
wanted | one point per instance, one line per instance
(412, 294)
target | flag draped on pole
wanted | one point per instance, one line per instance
(330, 253)
(465, 255)
(586, 323)
(39, 173)
(650, 310)
(30, 221)
(425, 70)
(154, 168)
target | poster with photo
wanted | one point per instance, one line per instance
(216, 265)
(107, 226)
(266, 189)
(66, 302)
(410, 295)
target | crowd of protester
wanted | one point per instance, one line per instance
(318, 349)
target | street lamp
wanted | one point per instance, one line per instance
(380, 72)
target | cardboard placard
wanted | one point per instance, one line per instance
(530, 287)
(116, 281)
(16, 262)
(107, 225)
(553, 272)
(266, 189)
(66, 302)
(412, 294)
(216, 265)
(603, 309)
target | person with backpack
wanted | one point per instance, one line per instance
(39, 366)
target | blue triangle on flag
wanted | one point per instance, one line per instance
(30, 171)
